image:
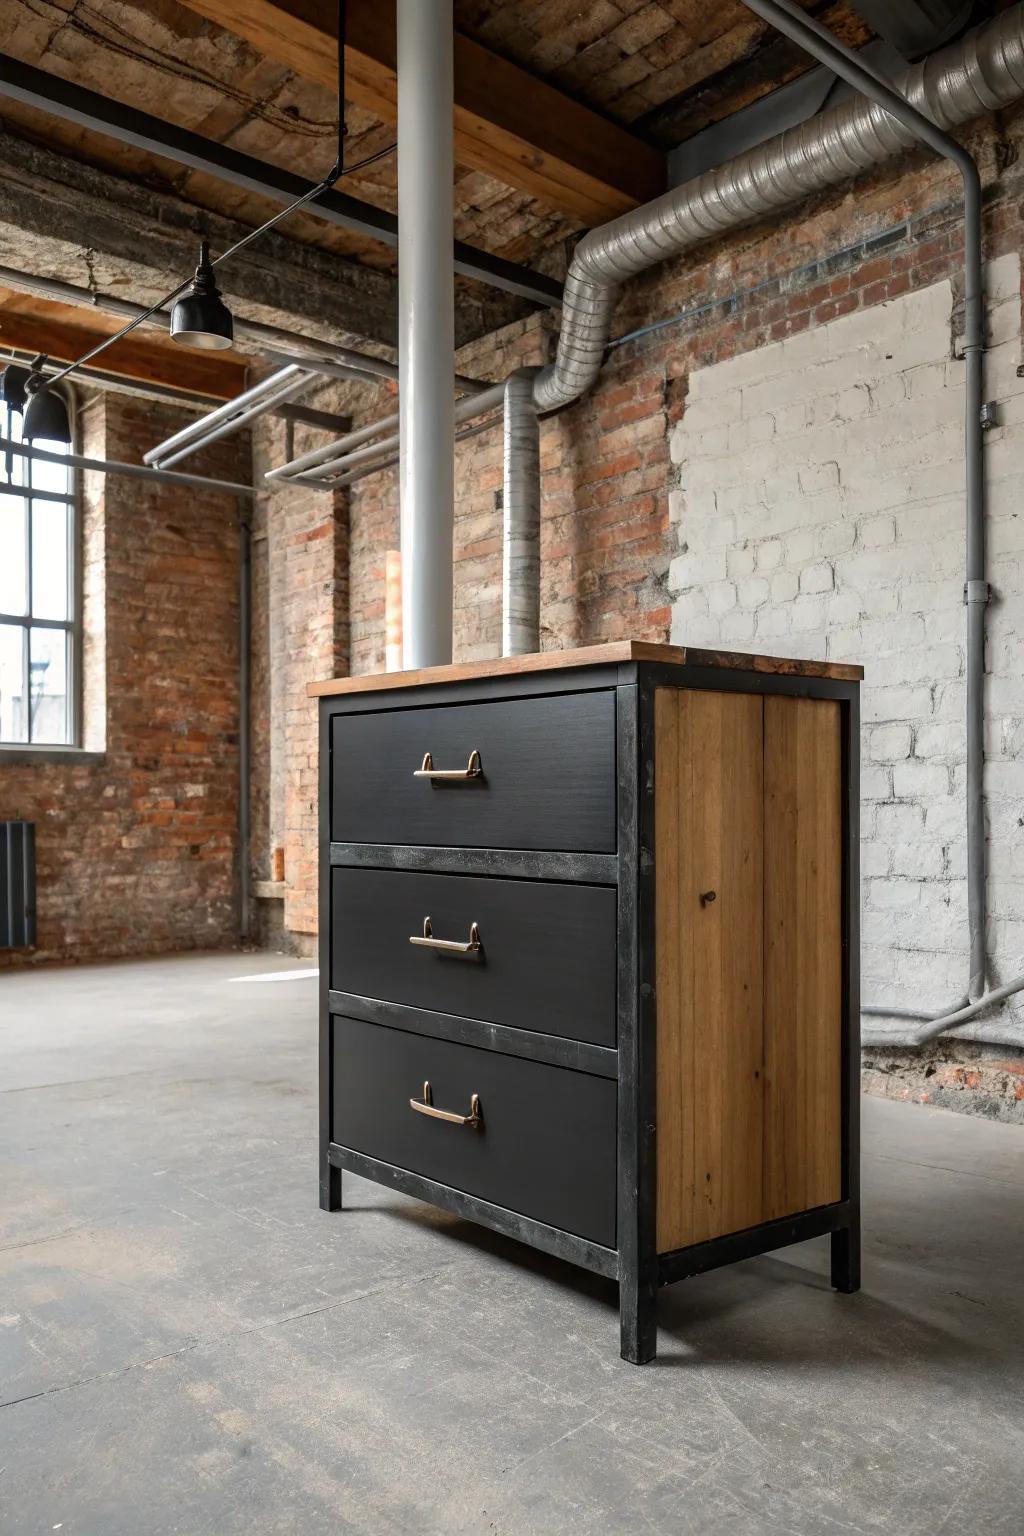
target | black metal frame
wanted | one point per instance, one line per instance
(72, 626)
(86, 109)
(636, 1262)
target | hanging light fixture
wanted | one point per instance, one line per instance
(13, 384)
(46, 414)
(200, 318)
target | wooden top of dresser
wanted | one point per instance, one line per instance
(611, 654)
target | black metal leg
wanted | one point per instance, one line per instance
(846, 1256)
(330, 1188)
(638, 1321)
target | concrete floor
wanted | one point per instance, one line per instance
(188, 1345)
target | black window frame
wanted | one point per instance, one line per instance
(72, 625)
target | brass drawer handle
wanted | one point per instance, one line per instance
(472, 770)
(425, 1106)
(449, 946)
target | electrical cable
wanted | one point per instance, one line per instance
(333, 176)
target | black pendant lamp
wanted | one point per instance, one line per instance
(46, 414)
(13, 387)
(200, 318)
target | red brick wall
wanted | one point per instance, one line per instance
(136, 844)
(300, 632)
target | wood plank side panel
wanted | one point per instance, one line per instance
(803, 954)
(709, 963)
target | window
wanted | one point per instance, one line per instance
(40, 634)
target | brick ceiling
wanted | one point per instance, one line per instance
(664, 67)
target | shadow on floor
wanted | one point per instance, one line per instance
(719, 1317)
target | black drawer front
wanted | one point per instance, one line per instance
(546, 960)
(547, 781)
(546, 1148)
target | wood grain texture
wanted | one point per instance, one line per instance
(709, 963)
(749, 986)
(616, 652)
(803, 953)
(35, 325)
(508, 123)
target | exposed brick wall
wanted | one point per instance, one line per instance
(136, 846)
(604, 468)
(300, 632)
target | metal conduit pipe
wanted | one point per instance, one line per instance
(223, 412)
(817, 40)
(282, 396)
(332, 450)
(390, 462)
(335, 464)
(337, 449)
(520, 576)
(133, 471)
(296, 384)
(981, 72)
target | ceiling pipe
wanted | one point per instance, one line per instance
(241, 418)
(133, 471)
(333, 450)
(260, 394)
(980, 73)
(324, 466)
(381, 465)
(426, 327)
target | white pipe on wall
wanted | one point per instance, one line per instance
(426, 327)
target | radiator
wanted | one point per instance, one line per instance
(17, 884)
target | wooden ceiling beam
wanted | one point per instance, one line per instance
(508, 124)
(200, 373)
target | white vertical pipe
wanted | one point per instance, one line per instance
(426, 327)
(520, 607)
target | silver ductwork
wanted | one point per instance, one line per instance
(981, 73)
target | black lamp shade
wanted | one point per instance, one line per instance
(200, 318)
(46, 416)
(12, 387)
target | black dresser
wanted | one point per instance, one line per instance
(588, 954)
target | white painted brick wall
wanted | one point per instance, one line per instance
(827, 520)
